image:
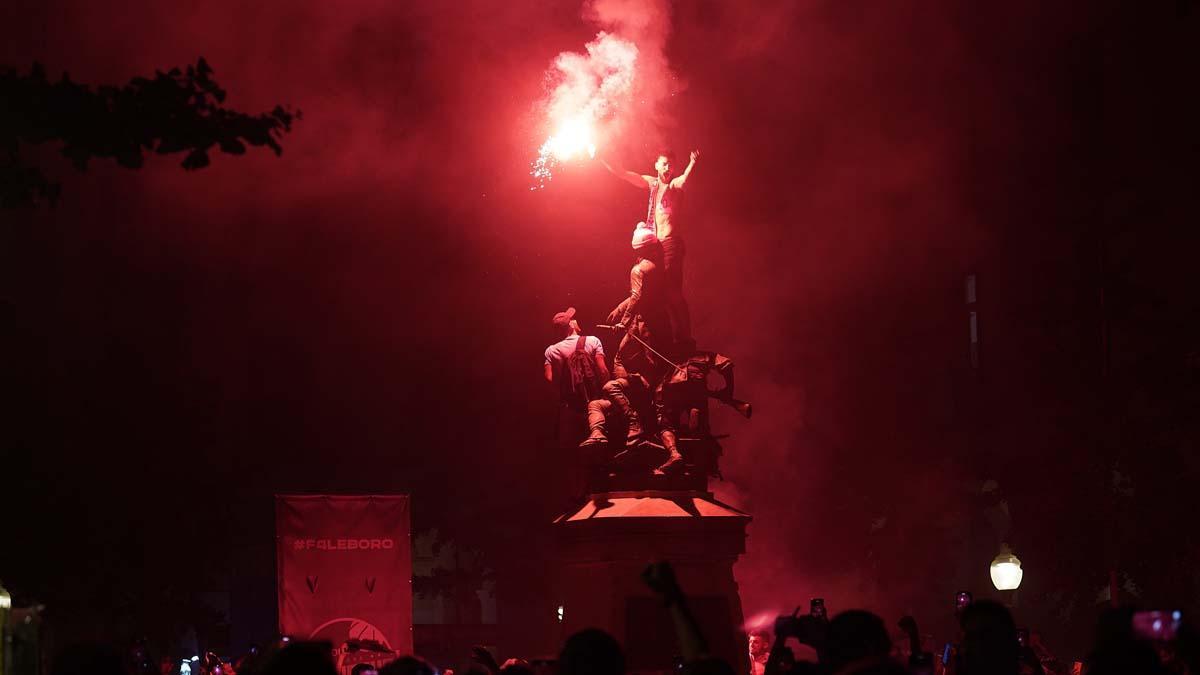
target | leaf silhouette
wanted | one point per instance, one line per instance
(175, 111)
(196, 159)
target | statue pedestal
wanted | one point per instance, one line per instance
(606, 543)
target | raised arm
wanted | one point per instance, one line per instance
(679, 181)
(661, 578)
(635, 179)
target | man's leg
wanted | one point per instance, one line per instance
(666, 424)
(597, 416)
(617, 391)
(681, 318)
(618, 369)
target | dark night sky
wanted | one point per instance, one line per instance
(367, 312)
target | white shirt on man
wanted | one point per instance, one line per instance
(558, 353)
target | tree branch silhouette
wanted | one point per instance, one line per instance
(176, 111)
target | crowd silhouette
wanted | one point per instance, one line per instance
(852, 642)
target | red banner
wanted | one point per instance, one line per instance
(345, 574)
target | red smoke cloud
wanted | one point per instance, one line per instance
(618, 85)
(648, 25)
(383, 288)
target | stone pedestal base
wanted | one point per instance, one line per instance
(605, 544)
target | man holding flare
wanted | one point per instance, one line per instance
(665, 189)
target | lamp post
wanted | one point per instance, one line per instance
(1006, 573)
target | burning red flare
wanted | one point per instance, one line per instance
(590, 91)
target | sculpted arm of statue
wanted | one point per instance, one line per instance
(635, 179)
(614, 317)
(679, 181)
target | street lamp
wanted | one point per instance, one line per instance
(1006, 570)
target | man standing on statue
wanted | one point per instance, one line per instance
(576, 387)
(638, 371)
(664, 192)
